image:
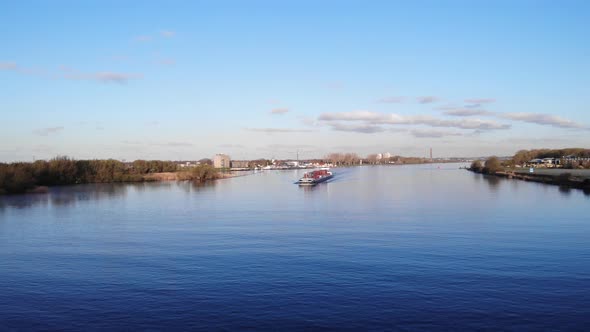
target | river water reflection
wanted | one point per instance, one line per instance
(403, 247)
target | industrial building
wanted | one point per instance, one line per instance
(240, 164)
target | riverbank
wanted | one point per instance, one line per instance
(563, 179)
(151, 177)
(183, 176)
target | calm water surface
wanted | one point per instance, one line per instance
(377, 248)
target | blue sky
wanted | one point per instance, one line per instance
(188, 79)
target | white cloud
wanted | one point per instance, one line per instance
(358, 116)
(391, 100)
(176, 144)
(167, 33)
(132, 142)
(166, 61)
(480, 100)
(111, 77)
(12, 66)
(279, 111)
(362, 128)
(448, 107)
(467, 112)
(232, 146)
(290, 147)
(278, 130)
(173, 144)
(149, 38)
(48, 131)
(535, 118)
(462, 123)
(308, 121)
(428, 133)
(103, 77)
(396, 119)
(8, 66)
(143, 38)
(336, 85)
(427, 99)
(542, 119)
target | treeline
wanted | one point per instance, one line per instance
(200, 173)
(493, 164)
(490, 166)
(349, 159)
(21, 177)
(343, 159)
(523, 156)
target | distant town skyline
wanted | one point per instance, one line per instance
(259, 79)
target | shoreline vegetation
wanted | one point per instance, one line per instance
(38, 176)
(566, 175)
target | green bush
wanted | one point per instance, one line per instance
(204, 173)
(492, 165)
(16, 178)
(476, 166)
(20, 177)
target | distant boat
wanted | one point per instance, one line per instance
(315, 177)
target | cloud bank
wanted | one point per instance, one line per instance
(362, 128)
(379, 119)
(278, 130)
(48, 131)
(467, 112)
(167, 33)
(480, 100)
(71, 74)
(426, 133)
(102, 77)
(543, 119)
(391, 100)
(535, 118)
(279, 111)
(8, 66)
(427, 99)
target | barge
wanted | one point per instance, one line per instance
(315, 177)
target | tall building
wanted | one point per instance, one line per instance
(221, 161)
(386, 155)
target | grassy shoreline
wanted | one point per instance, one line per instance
(566, 168)
(37, 177)
(564, 179)
(155, 177)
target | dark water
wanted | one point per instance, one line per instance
(382, 248)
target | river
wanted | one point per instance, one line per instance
(424, 247)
